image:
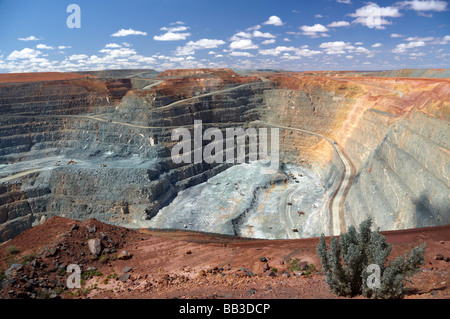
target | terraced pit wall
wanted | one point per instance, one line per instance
(119, 136)
(394, 131)
(122, 171)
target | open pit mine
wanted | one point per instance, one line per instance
(351, 145)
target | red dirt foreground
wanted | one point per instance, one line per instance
(36, 77)
(143, 264)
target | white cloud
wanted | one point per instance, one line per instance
(444, 40)
(256, 27)
(173, 33)
(396, 35)
(113, 45)
(402, 47)
(423, 14)
(338, 24)
(243, 44)
(29, 38)
(318, 16)
(205, 43)
(44, 47)
(314, 31)
(287, 40)
(294, 33)
(62, 47)
(171, 36)
(78, 57)
(426, 39)
(315, 28)
(373, 16)
(118, 53)
(240, 35)
(287, 56)
(427, 5)
(359, 43)
(344, 1)
(274, 20)
(127, 32)
(259, 34)
(25, 53)
(377, 45)
(277, 51)
(341, 47)
(336, 47)
(238, 53)
(142, 59)
(280, 49)
(175, 29)
(270, 41)
(371, 9)
(191, 46)
(185, 50)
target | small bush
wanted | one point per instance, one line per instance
(345, 264)
(103, 259)
(12, 250)
(27, 258)
(297, 265)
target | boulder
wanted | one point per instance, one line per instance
(127, 269)
(95, 246)
(125, 277)
(124, 255)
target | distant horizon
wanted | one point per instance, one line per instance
(252, 69)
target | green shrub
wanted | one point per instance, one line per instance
(345, 263)
(12, 250)
(27, 258)
(103, 259)
(297, 265)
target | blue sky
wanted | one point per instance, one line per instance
(286, 34)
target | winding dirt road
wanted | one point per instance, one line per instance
(338, 199)
(17, 175)
(285, 211)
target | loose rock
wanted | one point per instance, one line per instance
(95, 246)
(124, 255)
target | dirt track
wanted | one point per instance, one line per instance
(338, 199)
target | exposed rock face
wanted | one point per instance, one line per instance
(396, 134)
(404, 183)
(100, 148)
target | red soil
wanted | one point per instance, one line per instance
(36, 77)
(167, 264)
